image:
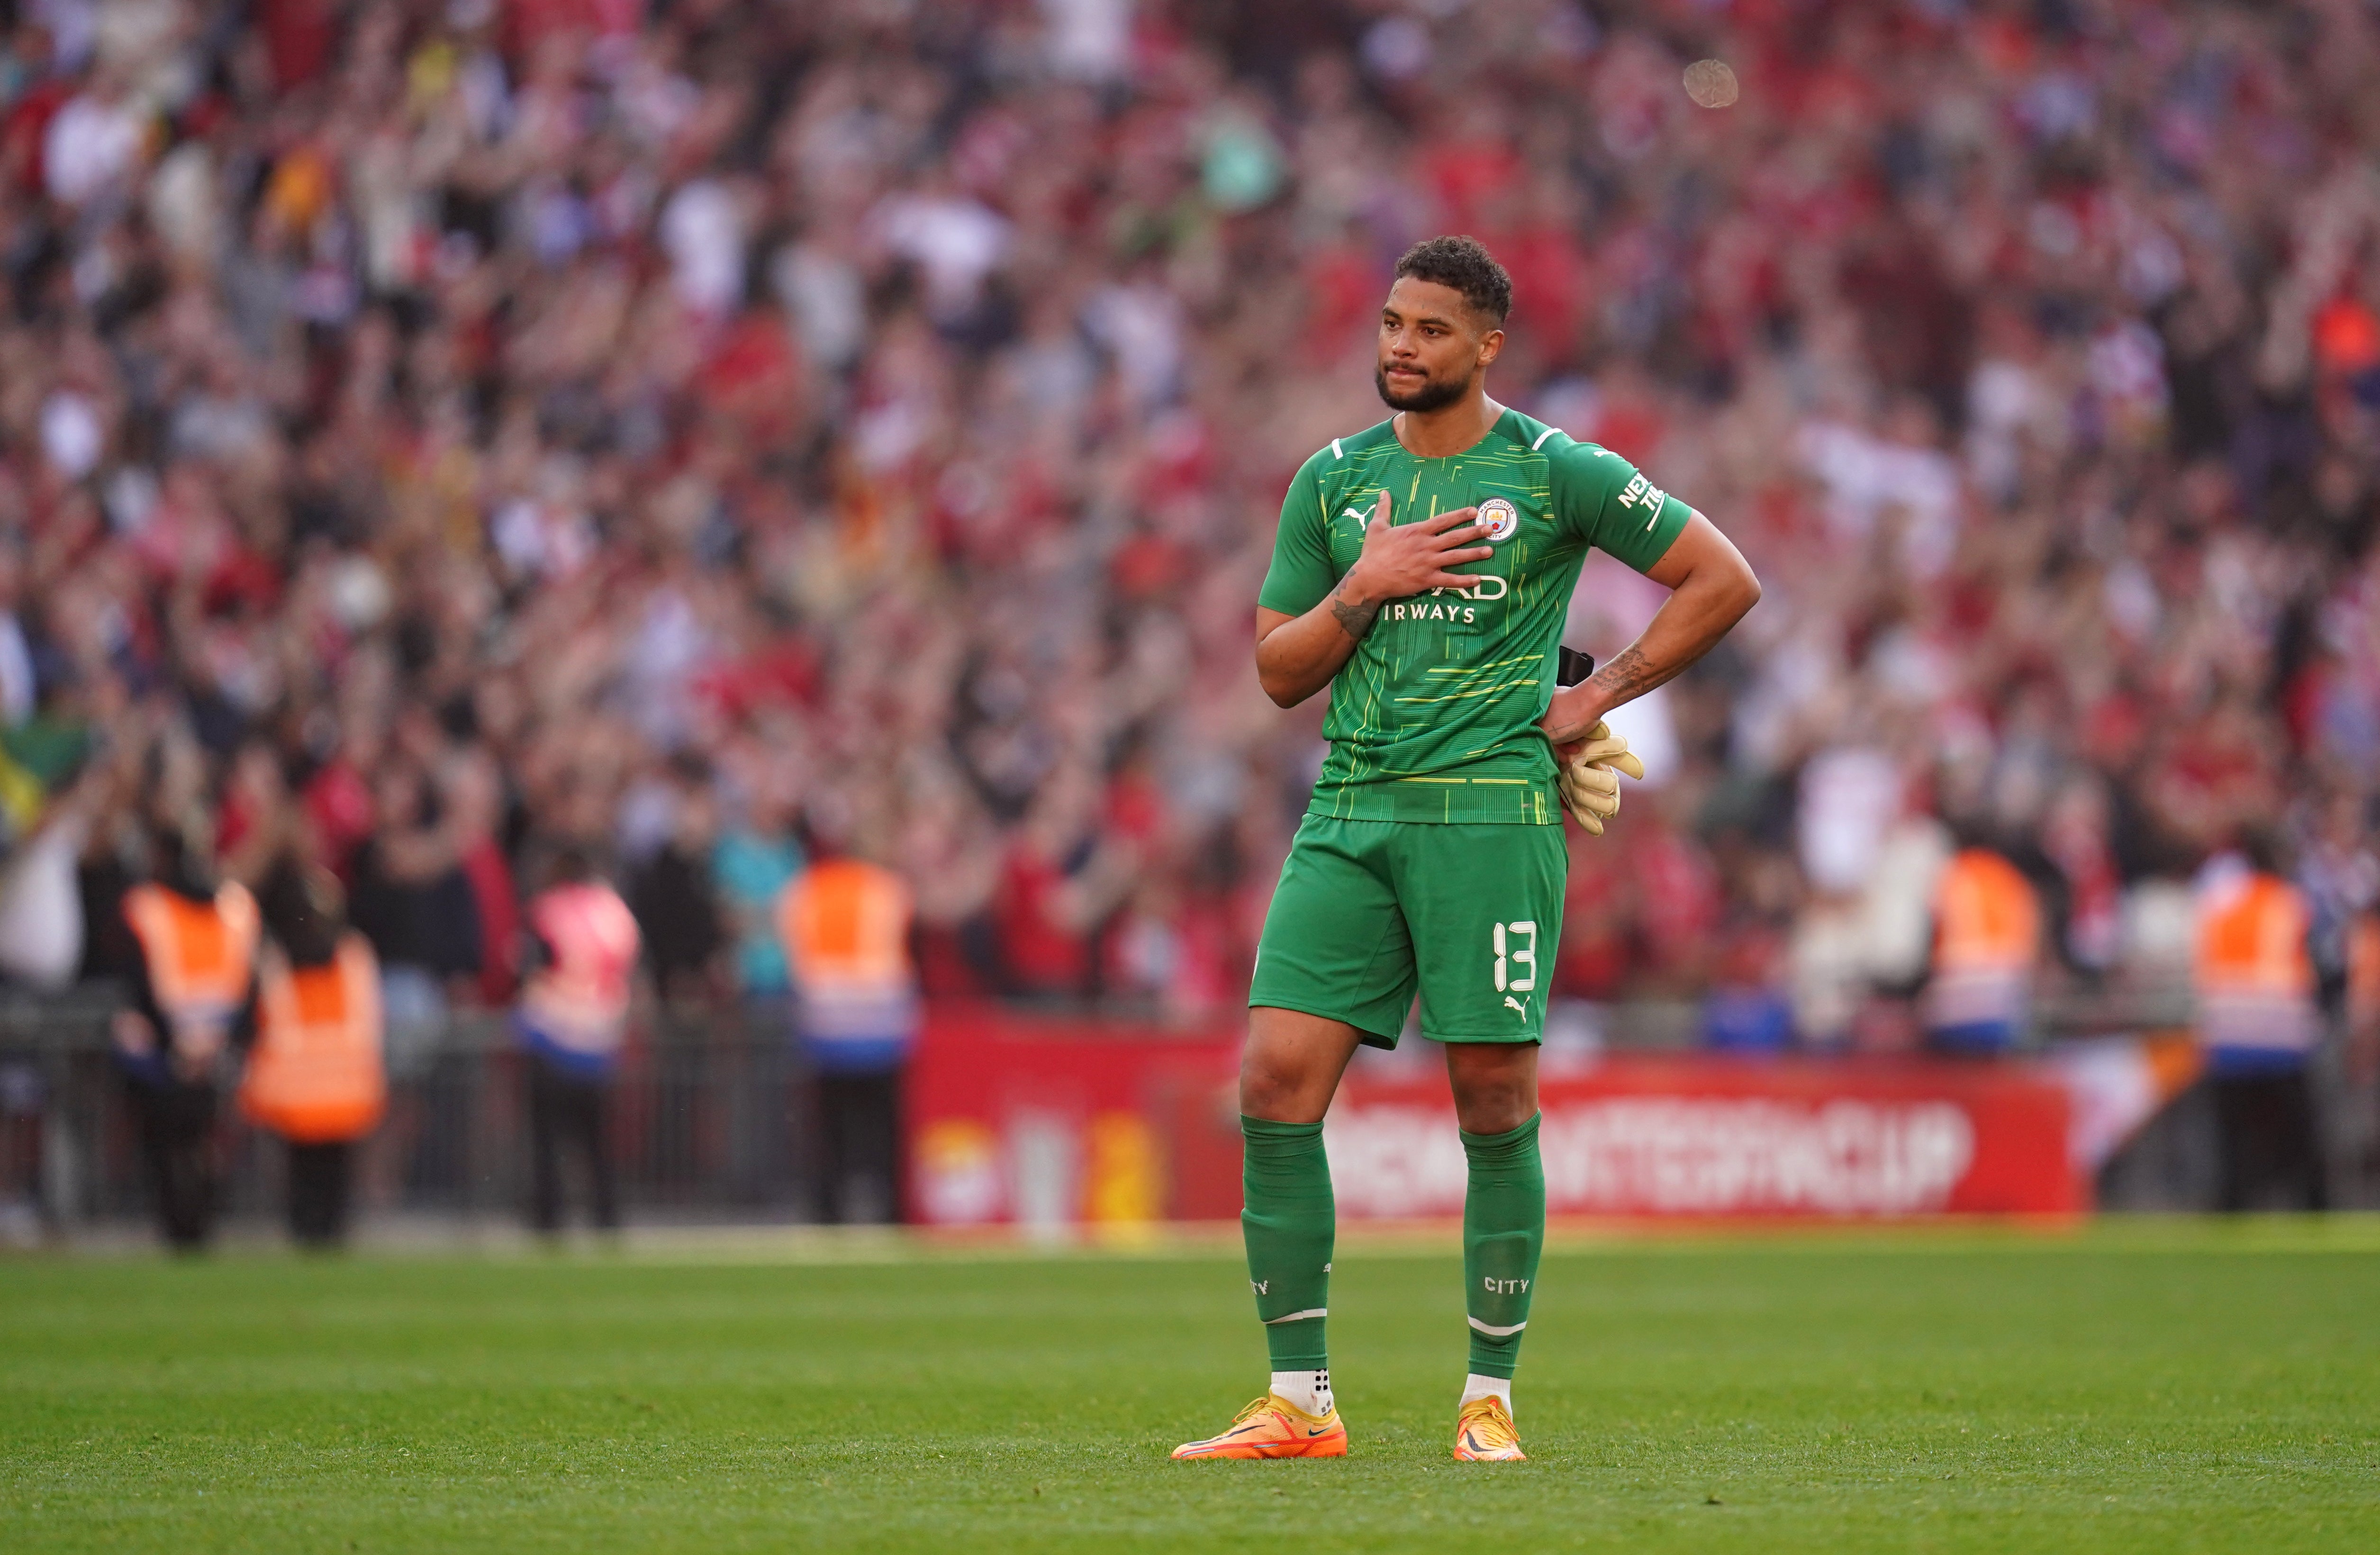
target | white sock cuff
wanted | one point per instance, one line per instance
(1308, 1387)
(1476, 1387)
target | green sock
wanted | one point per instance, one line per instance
(1503, 1231)
(1290, 1222)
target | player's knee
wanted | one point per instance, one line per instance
(1274, 1090)
(1497, 1102)
(1497, 1110)
(1262, 1090)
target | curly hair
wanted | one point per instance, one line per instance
(1465, 265)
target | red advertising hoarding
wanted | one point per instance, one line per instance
(1046, 1121)
(1050, 1123)
(1639, 1134)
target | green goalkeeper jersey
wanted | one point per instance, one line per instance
(1434, 718)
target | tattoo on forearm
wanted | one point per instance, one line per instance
(1354, 619)
(1629, 677)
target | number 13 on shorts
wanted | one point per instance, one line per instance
(1516, 957)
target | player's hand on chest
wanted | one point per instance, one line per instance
(1454, 532)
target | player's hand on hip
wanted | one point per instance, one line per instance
(1574, 711)
(1587, 774)
(1402, 559)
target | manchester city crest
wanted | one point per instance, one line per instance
(1500, 520)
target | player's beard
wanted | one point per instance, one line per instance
(1435, 394)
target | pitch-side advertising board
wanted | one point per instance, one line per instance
(1053, 1125)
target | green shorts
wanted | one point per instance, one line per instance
(1369, 912)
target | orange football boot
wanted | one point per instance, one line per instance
(1484, 1434)
(1274, 1427)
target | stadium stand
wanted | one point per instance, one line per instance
(434, 436)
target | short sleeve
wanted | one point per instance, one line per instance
(1606, 502)
(1301, 573)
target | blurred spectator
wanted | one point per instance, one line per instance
(2259, 1024)
(191, 1005)
(2359, 1004)
(753, 862)
(572, 1019)
(41, 922)
(847, 933)
(1986, 921)
(414, 903)
(314, 1077)
(671, 893)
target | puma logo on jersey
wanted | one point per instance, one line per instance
(1518, 1004)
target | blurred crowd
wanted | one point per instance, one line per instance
(440, 435)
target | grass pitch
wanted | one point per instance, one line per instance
(2152, 1388)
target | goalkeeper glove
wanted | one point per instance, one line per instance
(1590, 781)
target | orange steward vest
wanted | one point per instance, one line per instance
(2254, 976)
(315, 1077)
(200, 956)
(1986, 936)
(2364, 970)
(846, 928)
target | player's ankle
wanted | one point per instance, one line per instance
(1476, 1386)
(1305, 1387)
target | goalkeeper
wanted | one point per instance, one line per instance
(1422, 571)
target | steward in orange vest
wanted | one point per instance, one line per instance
(2252, 973)
(1986, 941)
(315, 1076)
(2259, 1021)
(846, 928)
(193, 997)
(2362, 995)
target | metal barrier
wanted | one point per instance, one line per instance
(712, 1118)
(709, 1121)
